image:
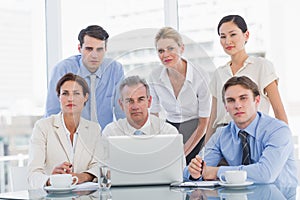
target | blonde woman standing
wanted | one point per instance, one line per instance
(181, 89)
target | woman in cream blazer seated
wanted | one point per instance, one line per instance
(65, 143)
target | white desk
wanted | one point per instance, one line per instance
(254, 192)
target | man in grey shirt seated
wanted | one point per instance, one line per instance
(135, 99)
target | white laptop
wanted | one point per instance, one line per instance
(146, 160)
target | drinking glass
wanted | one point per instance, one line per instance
(104, 179)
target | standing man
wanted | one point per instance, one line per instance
(102, 75)
(254, 142)
(135, 100)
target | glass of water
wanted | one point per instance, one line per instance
(102, 195)
(104, 179)
(105, 195)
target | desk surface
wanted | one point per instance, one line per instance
(268, 191)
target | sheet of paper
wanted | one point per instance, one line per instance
(86, 186)
(199, 184)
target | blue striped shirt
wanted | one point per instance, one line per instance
(109, 75)
(271, 151)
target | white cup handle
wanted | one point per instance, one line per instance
(221, 178)
(76, 180)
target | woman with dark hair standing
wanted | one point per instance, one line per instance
(234, 35)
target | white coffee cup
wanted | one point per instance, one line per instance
(63, 180)
(233, 177)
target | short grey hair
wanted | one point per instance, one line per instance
(134, 80)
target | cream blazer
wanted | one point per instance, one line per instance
(49, 147)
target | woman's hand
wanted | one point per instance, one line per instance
(64, 168)
(83, 177)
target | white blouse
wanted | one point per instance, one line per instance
(193, 101)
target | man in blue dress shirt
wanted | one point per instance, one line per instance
(92, 48)
(270, 141)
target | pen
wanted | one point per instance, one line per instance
(71, 166)
(202, 157)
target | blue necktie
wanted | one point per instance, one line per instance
(138, 132)
(245, 147)
(93, 98)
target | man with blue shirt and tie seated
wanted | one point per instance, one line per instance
(102, 75)
(135, 99)
(253, 141)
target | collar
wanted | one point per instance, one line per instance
(250, 129)
(65, 128)
(249, 60)
(145, 129)
(84, 72)
(189, 72)
(164, 74)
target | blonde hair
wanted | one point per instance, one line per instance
(170, 33)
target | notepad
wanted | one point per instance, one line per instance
(198, 184)
(86, 186)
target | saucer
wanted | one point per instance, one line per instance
(59, 190)
(236, 185)
(228, 190)
(61, 196)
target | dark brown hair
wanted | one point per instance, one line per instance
(238, 20)
(243, 81)
(72, 77)
(94, 31)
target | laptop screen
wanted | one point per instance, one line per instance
(146, 160)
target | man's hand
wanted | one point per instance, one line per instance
(195, 167)
(210, 173)
(198, 169)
